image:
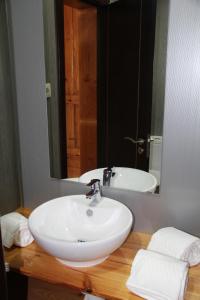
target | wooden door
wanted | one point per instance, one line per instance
(126, 51)
(80, 36)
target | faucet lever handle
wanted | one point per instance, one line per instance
(95, 190)
(93, 182)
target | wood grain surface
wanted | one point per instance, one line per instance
(80, 41)
(40, 290)
(106, 280)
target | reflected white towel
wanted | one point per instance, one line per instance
(176, 243)
(158, 277)
(15, 231)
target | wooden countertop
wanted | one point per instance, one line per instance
(106, 280)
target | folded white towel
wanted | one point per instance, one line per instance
(176, 243)
(15, 231)
(158, 277)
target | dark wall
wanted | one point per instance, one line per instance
(10, 186)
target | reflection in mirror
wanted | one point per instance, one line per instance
(115, 57)
(123, 178)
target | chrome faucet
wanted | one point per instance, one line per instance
(107, 175)
(95, 192)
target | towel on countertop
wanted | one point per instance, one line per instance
(158, 277)
(15, 231)
(176, 243)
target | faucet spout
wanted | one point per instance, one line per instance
(107, 175)
(95, 193)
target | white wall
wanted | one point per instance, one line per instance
(181, 163)
(32, 108)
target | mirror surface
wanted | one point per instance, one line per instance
(115, 60)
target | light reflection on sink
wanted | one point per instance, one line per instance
(63, 228)
(124, 178)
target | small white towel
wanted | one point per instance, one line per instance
(157, 277)
(15, 231)
(176, 243)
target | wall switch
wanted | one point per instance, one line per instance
(48, 90)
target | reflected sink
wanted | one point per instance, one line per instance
(64, 228)
(124, 178)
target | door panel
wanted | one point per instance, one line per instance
(148, 24)
(129, 42)
(124, 39)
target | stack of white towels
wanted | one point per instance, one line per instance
(15, 231)
(161, 271)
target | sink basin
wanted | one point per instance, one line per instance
(64, 228)
(124, 178)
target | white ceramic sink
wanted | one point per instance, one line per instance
(63, 228)
(124, 178)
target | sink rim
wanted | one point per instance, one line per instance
(36, 233)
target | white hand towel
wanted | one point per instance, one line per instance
(176, 243)
(15, 231)
(158, 277)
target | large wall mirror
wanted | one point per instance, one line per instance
(105, 64)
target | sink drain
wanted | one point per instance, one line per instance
(89, 212)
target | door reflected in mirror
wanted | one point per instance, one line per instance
(115, 59)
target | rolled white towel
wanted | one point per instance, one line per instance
(15, 231)
(158, 277)
(176, 243)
